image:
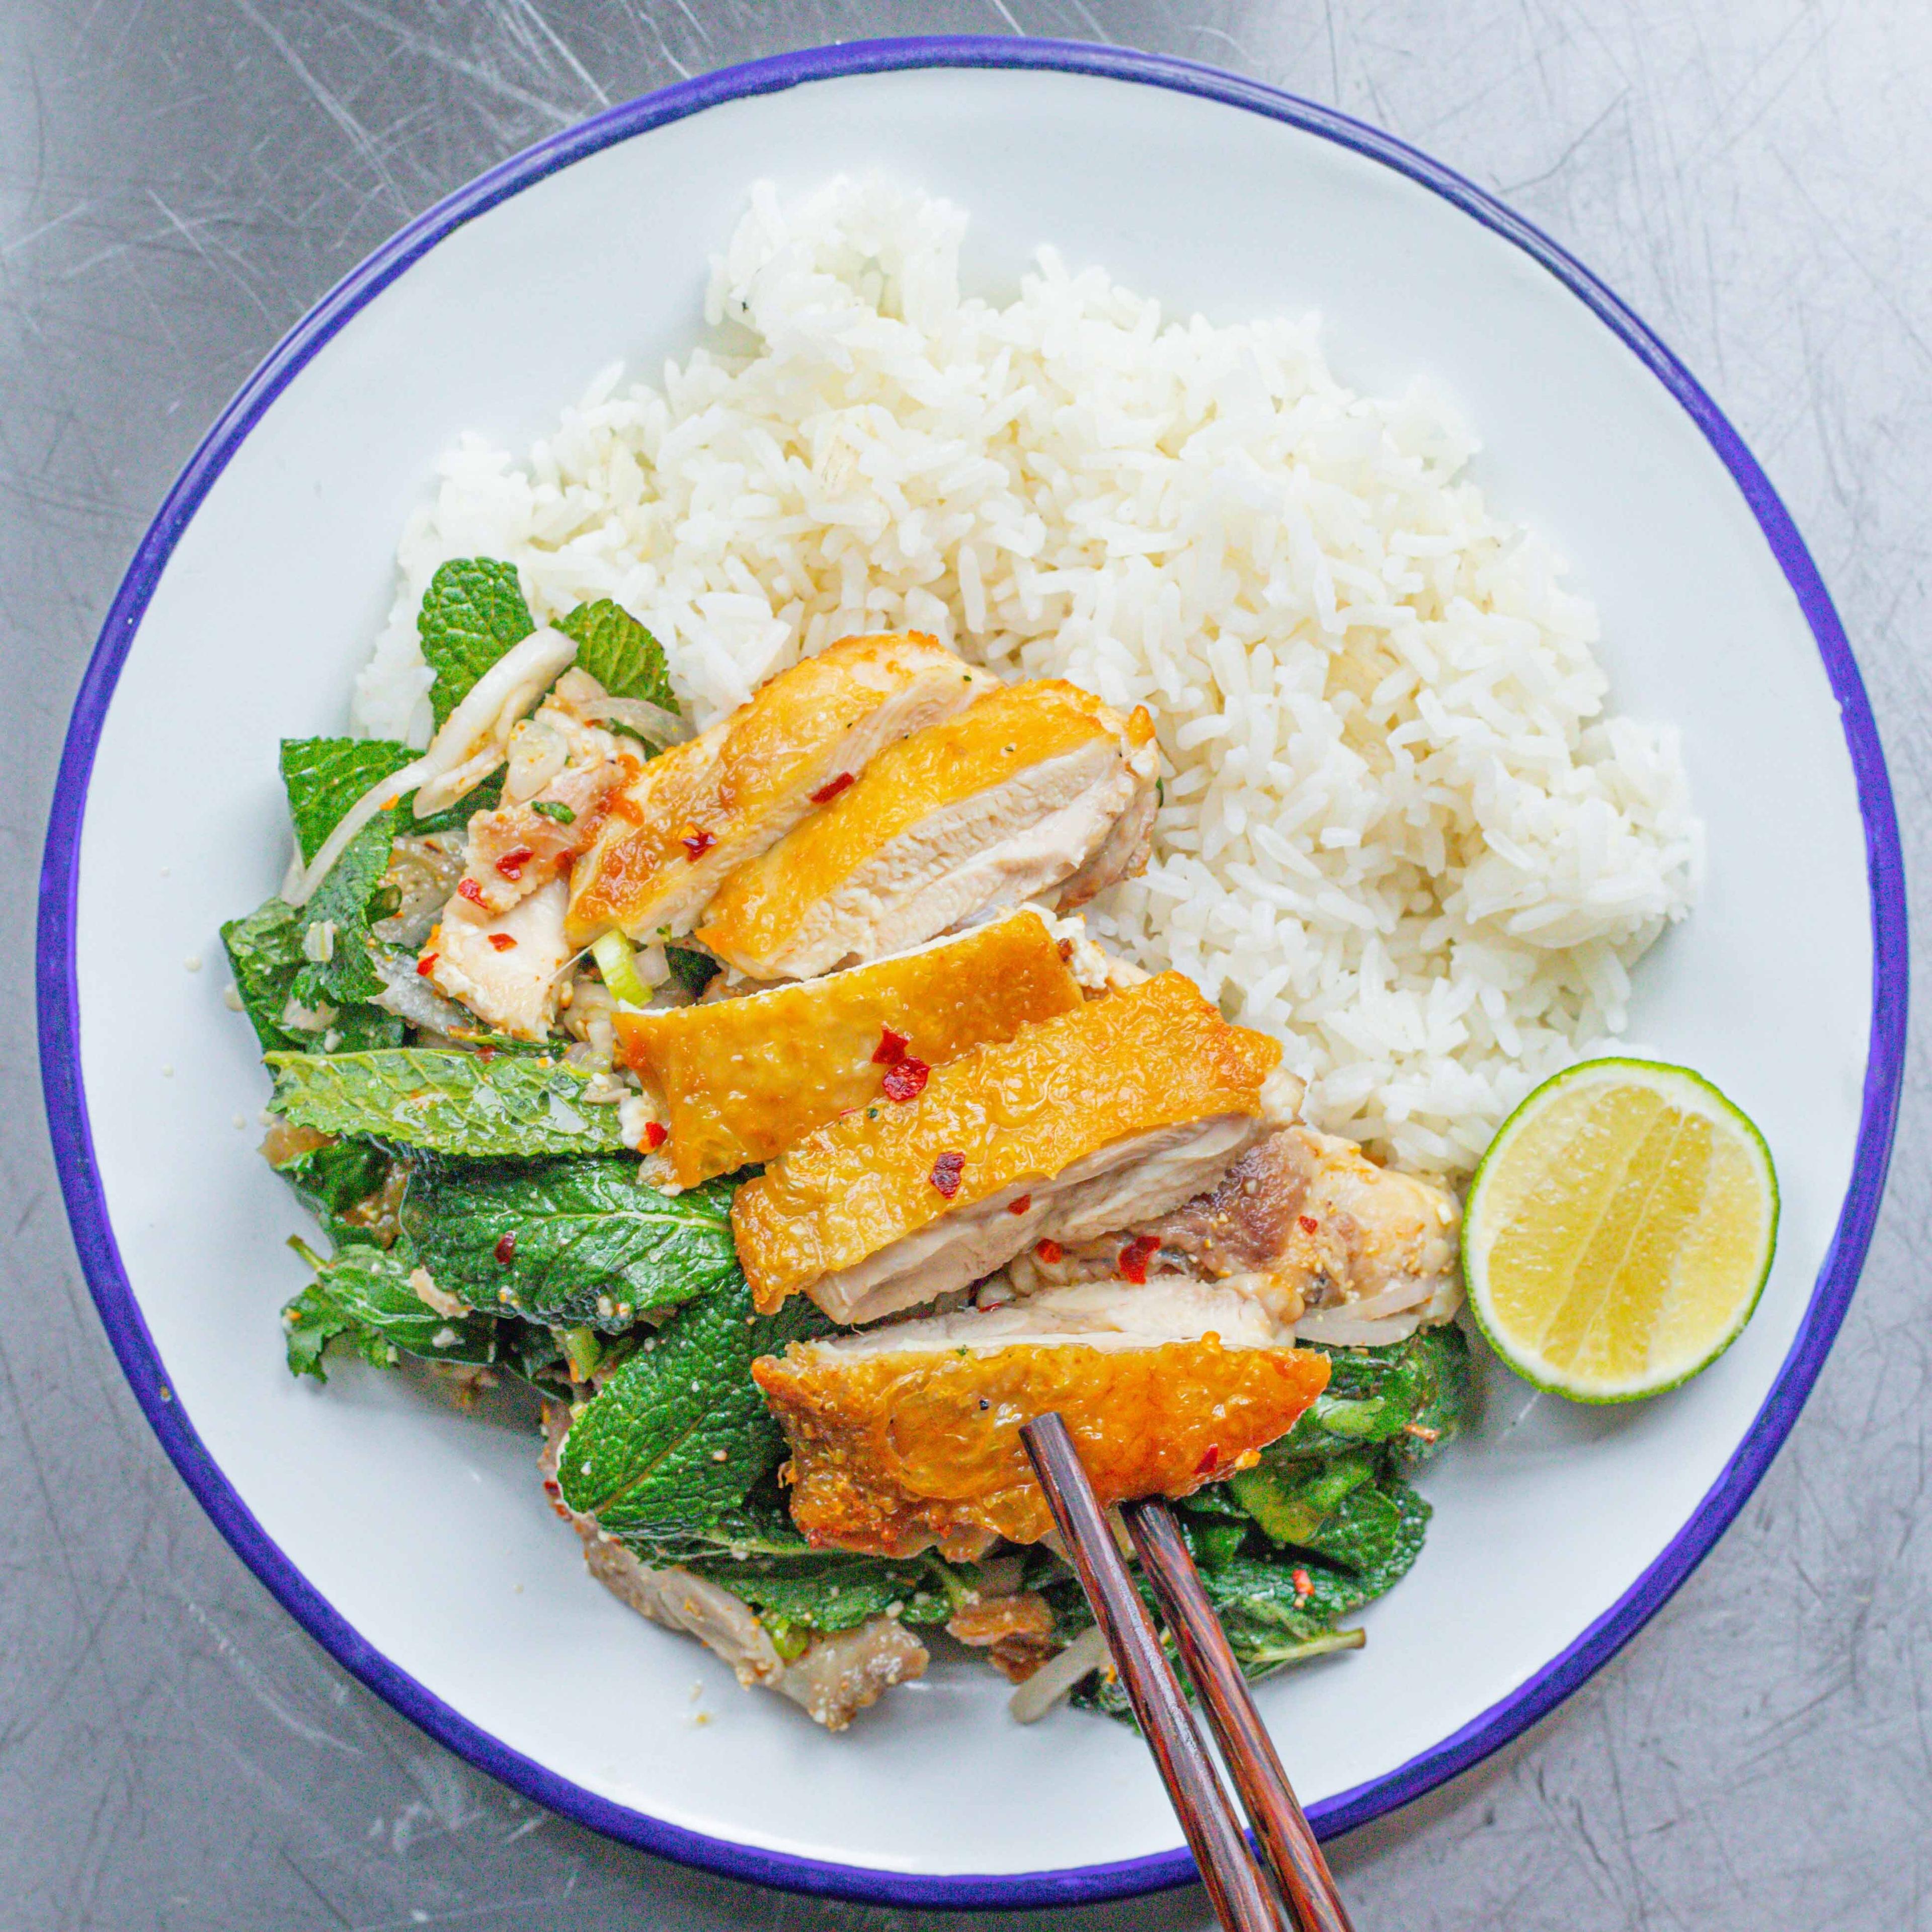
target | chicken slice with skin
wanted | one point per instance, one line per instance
(506, 970)
(702, 809)
(1024, 791)
(1119, 1109)
(1309, 1223)
(907, 1436)
(743, 1078)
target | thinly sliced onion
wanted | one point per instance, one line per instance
(469, 747)
(1408, 1294)
(1058, 1676)
(660, 726)
(1343, 1331)
(407, 994)
(377, 798)
(481, 725)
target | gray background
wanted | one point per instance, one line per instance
(180, 179)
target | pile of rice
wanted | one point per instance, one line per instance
(1400, 831)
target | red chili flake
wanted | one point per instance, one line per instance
(511, 864)
(505, 1250)
(486, 1055)
(426, 965)
(825, 793)
(1048, 1251)
(1308, 1224)
(655, 1134)
(698, 843)
(503, 942)
(1304, 1584)
(946, 1172)
(903, 1082)
(468, 889)
(890, 1049)
(1210, 1463)
(1020, 1206)
(1135, 1256)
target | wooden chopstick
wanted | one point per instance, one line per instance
(1290, 1846)
(1233, 1880)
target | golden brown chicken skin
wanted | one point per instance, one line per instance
(742, 1079)
(1004, 803)
(906, 1436)
(705, 808)
(1006, 1146)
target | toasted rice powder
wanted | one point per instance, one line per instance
(1400, 830)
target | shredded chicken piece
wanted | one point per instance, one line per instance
(840, 1676)
(505, 970)
(562, 773)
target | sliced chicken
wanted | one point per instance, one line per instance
(1306, 1222)
(908, 1435)
(1027, 789)
(1115, 1111)
(562, 770)
(742, 1079)
(505, 970)
(703, 808)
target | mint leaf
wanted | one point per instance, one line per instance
(363, 1296)
(473, 612)
(324, 777)
(692, 970)
(753, 1551)
(335, 1181)
(1412, 1397)
(619, 653)
(574, 1242)
(829, 1590)
(1344, 1509)
(342, 904)
(680, 1432)
(265, 954)
(446, 1102)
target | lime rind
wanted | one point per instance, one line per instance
(1684, 1083)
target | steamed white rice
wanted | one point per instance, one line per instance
(1400, 830)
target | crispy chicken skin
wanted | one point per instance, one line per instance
(703, 808)
(908, 1435)
(742, 1079)
(1001, 803)
(994, 1129)
(1306, 1220)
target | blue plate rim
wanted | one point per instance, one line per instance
(59, 1021)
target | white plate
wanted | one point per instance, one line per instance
(413, 1541)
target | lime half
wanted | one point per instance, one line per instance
(1619, 1230)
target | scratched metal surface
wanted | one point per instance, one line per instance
(179, 179)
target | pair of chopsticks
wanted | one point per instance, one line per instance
(1241, 1895)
